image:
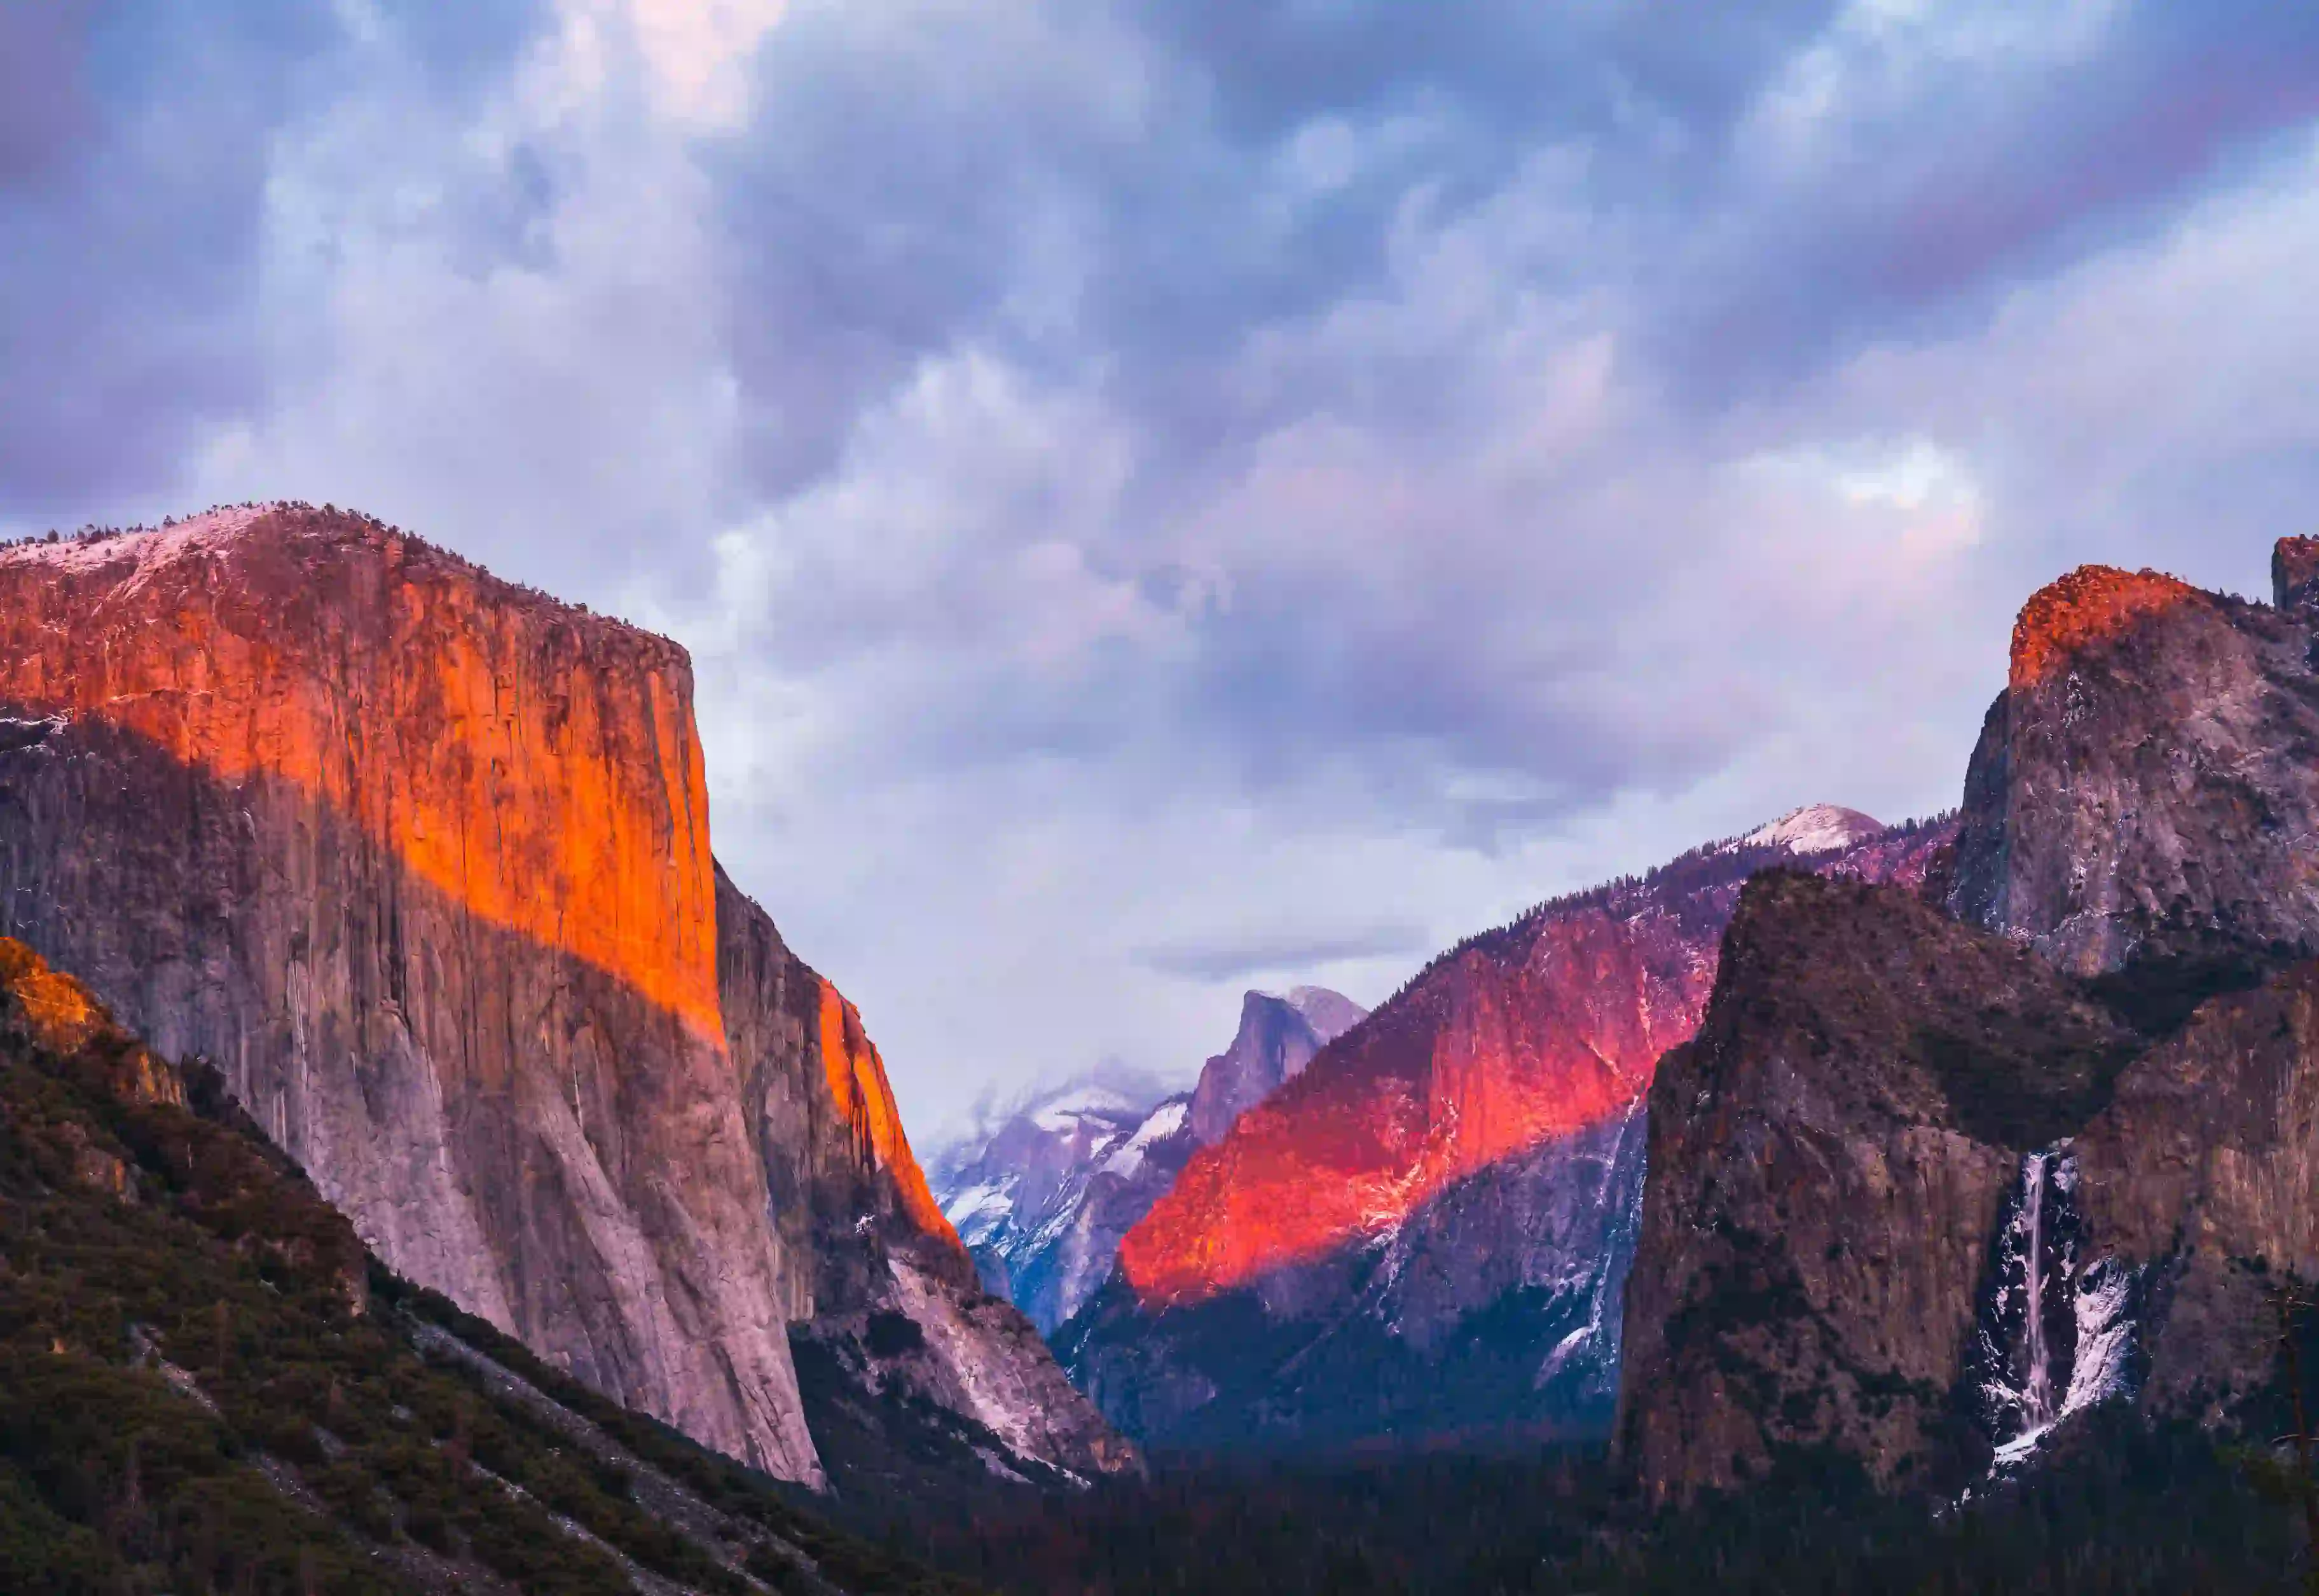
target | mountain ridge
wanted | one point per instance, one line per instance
(210, 1384)
(1427, 1231)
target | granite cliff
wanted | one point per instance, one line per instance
(206, 1385)
(2142, 787)
(1277, 1037)
(1427, 1231)
(419, 862)
(1930, 1185)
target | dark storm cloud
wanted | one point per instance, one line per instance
(1936, 183)
(1226, 221)
(895, 200)
(135, 148)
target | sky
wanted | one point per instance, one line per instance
(1172, 496)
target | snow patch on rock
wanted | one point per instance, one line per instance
(1164, 1123)
(1816, 828)
(988, 1203)
(146, 550)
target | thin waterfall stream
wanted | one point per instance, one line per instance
(2056, 1330)
(2037, 1388)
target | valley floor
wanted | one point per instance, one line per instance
(2127, 1511)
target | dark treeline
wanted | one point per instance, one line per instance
(2127, 1509)
(301, 510)
(1724, 862)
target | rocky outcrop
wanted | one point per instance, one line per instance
(1828, 1162)
(2143, 787)
(1918, 1196)
(842, 1186)
(1450, 1184)
(2295, 575)
(420, 861)
(1925, 1190)
(2201, 1181)
(847, 1196)
(1277, 1037)
(1043, 1199)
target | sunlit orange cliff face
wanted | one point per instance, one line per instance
(857, 1083)
(1520, 1038)
(422, 861)
(536, 765)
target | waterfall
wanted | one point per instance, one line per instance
(2037, 1386)
(2056, 1332)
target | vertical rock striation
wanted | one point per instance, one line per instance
(849, 1200)
(821, 1116)
(2202, 1178)
(420, 861)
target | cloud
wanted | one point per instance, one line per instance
(133, 165)
(1287, 955)
(698, 51)
(1131, 472)
(1915, 162)
(43, 94)
(694, 55)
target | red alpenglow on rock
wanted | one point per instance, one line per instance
(2091, 605)
(1535, 1032)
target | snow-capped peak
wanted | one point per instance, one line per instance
(1816, 828)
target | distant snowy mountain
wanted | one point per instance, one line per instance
(1042, 1198)
(1019, 1194)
